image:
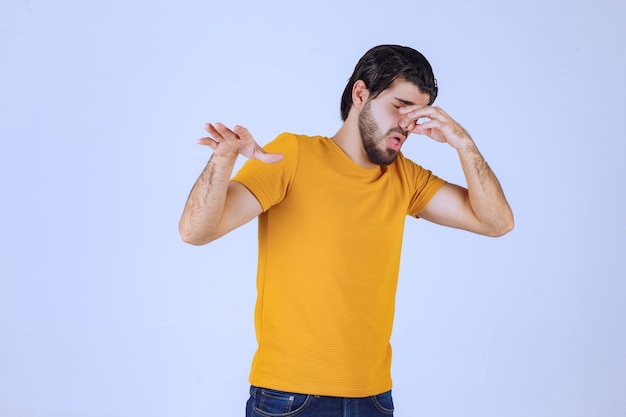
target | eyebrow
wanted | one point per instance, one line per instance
(404, 102)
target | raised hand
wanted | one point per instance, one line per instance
(226, 142)
(439, 125)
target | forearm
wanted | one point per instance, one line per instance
(485, 193)
(205, 205)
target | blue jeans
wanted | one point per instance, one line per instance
(265, 402)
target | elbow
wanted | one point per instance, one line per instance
(499, 232)
(191, 236)
(195, 240)
(192, 239)
(504, 227)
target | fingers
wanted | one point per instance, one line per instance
(414, 115)
(430, 121)
(208, 142)
(239, 140)
(243, 133)
(219, 140)
(415, 112)
(435, 123)
(419, 120)
(221, 132)
(214, 140)
(420, 125)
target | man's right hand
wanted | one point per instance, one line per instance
(226, 142)
(216, 205)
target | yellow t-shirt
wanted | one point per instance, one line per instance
(329, 252)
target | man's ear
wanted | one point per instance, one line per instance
(360, 94)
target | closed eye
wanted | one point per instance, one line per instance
(404, 102)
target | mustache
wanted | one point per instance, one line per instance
(404, 133)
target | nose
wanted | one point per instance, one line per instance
(405, 123)
(404, 127)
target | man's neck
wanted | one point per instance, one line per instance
(348, 138)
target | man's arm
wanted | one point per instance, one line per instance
(482, 207)
(217, 205)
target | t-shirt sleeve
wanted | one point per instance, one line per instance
(424, 186)
(269, 182)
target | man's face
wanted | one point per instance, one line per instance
(382, 115)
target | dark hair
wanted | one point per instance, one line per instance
(384, 64)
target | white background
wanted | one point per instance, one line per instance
(105, 312)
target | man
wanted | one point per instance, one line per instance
(331, 218)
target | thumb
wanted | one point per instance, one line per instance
(269, 158)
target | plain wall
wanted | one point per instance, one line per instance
(105, 312)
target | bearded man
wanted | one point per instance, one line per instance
(331, 216)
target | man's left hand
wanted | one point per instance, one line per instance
(439, 125)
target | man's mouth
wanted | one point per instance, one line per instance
(395, 141)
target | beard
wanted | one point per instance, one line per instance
(372, 138)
